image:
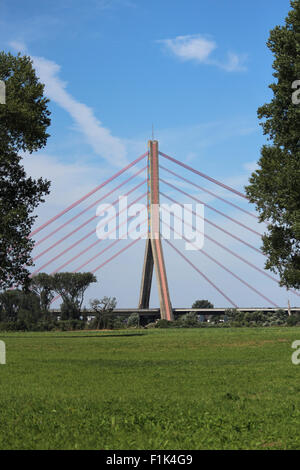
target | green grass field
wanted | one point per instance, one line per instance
(159, 389)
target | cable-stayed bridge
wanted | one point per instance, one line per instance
(57, 245)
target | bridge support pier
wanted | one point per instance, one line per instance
(153, 251)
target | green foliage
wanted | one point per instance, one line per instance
(162, 323)
(119, 323)
(69, 310)
(71, 287)
(257, 318)
(275, 186)
(42, 285)
(21, 325)
(19, 196)
(102, 308)
(231, 312)
(202, 304)
(133, 320)
(293, 320)
(231, 318)
(42, 325)
(150, 325)
(16, 305)
(23, 123)
(24, 118)
(9, 305)
(107, 322)
(71, 325)
(30, 310)
(190, 320)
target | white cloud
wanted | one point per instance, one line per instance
(199, 49)
(190, 47)
(99, 137)
(104, 144)
(234, 63)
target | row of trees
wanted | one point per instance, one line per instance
(30, 310)
(33, 305)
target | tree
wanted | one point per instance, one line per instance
(133, 320)
(9, 305)
(189, 319)
(23, 123)
(202, 304)
(71, 287)
(42, 285)
(275, 186)
(103, 307)
(19, 305)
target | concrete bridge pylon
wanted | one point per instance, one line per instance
(154, 257)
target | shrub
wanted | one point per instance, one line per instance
(150, 325)
(162, 323)
(118, 323)
(71, 325)
(189, 320)
(293, 320)
(133, 320)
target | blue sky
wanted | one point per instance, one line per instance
(198, 70)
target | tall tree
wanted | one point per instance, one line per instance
(71, 287)
(275, 186)
(24, 119)
(42, 285)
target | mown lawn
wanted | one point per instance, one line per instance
(158, 389)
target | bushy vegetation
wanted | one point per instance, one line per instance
(258, 318)
(133, 320)
(30, 311)
(232, 318)
(102, 308)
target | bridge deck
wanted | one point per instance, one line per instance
(181, 311)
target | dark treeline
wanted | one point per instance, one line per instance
(30, 310)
